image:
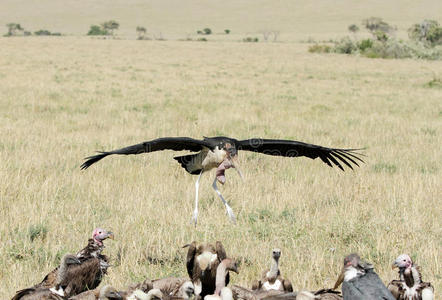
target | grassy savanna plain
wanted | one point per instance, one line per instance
(64, 98)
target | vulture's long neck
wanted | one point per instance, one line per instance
(62, 272)
(412, 277)
(274, 267)
(93, 249)
(221, 273)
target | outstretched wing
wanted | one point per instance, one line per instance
(167, 143)
(295, 149)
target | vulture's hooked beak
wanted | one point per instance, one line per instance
(340, 279)
(110, 235)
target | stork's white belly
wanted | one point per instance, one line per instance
(275, 286)
(213, 158)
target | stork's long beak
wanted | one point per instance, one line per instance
(235, 165)
(340, 279)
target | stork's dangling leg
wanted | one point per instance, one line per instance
(195, 211)
(228, 208)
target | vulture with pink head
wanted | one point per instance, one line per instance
(410, 285)
(85, 275)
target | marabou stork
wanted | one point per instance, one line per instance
(360, 282)
(221, 152)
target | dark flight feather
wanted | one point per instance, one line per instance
(289, 148)
(168, 143)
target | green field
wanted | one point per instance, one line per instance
(62, 98)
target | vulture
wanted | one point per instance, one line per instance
(323, 294)
(67, 261)
(220, 153)
(222, 292)
(89, 273)
(242, 293)
(359, 281)
(106, 292)
(410, 285)
(139, 288)
(271, 279)
(177, 287)
(202, 263)
(153, 294)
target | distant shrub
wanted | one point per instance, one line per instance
(381, 36)
(345, 45)
(227, 31)
(250, 39)
(42, 32)
(202, 39)
(110, 26)
(425, 43)
(13, 28)
(390, 49)
(427, 31)
(435, 83)
(207, 31)
(319, 48)
(27, 33)
(374, 25)
(97, 30)
(353, 28)
(365, 44)
(141, 32)
(199, 32)
(36, 231)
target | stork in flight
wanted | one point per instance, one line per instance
(221, 153)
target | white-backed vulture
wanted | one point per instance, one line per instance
(176, 287)
(410, 285)
(359, 281)
(271, 279)
(144, 287)
(242, 293)
(221, 291)
(106, 292)
(153, 294)
(67, 261)
(202, 262)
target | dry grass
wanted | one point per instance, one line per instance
(62, 99)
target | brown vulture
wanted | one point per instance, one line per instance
(202, 261)
(410, 285)
(89, 273)
(359, 281)
(62, 280)
(220, 153)
(271, 279)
